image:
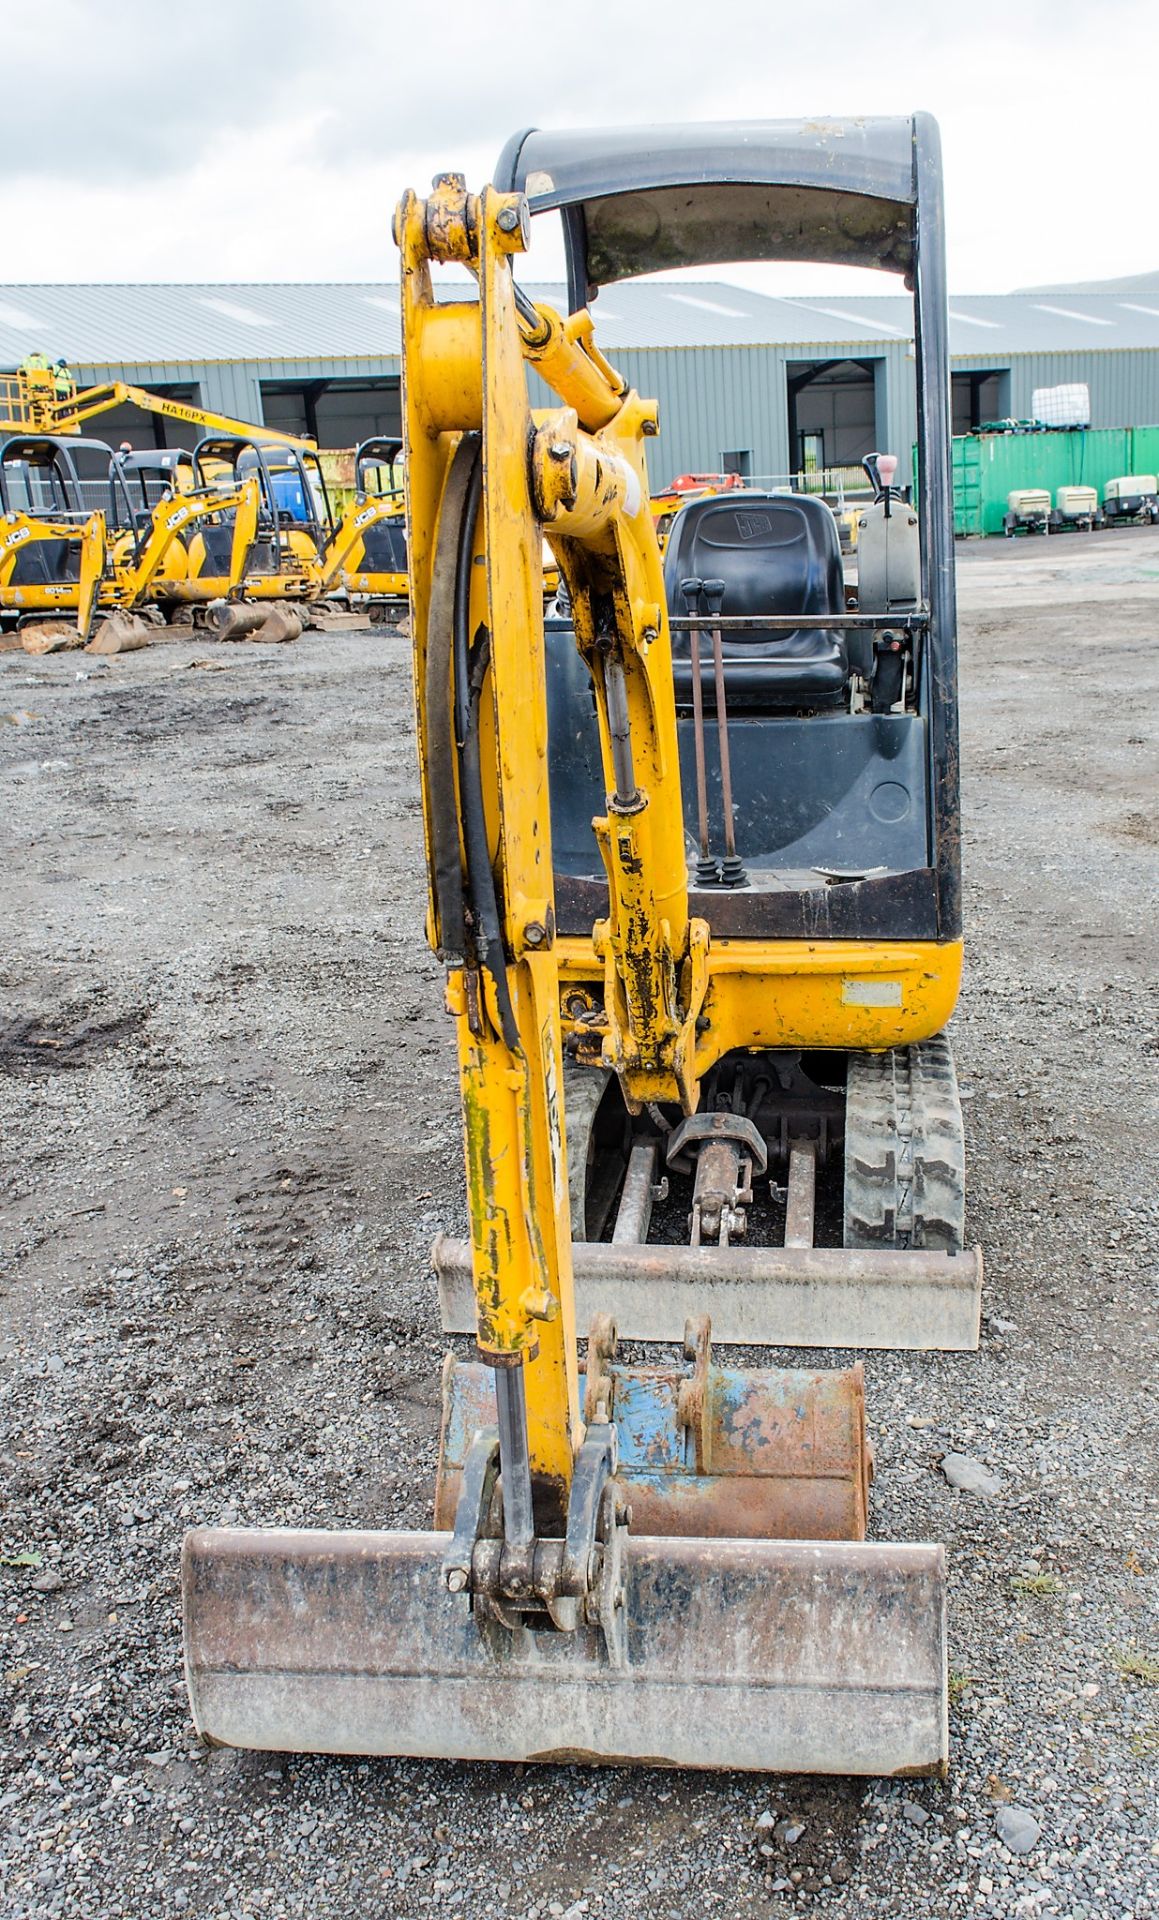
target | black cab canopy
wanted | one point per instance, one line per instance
(646, 199)
(854, 192)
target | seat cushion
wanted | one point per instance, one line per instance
(777, 553)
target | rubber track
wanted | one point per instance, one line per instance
(905, 1163)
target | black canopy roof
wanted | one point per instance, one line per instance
(44, 449)
(643, 199)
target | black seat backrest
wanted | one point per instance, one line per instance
(384, 547)
(776, 553)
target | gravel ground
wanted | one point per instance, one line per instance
(230, 1132)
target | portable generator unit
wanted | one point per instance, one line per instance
(1077, 507)
(1133, 496)
(1027, 511)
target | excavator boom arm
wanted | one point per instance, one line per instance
(32, 405)
(486, 480)
(172, 517)
(91, 401)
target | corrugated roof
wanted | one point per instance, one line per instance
(95, 325)
(1129, 285)
(1044, 323)
(98, 325)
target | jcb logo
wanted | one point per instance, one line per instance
(15, 539)
(368, 513)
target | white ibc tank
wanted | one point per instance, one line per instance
(1067, 406)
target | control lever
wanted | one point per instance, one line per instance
(888, 681)
(732, 872)
(707, 870)
(880, 469)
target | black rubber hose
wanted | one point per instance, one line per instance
(470, 666)
(439, 703)
(464, 561)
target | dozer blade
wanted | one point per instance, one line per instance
(796, 1656)
(758, 1296)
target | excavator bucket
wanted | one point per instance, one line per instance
(773, 1453)
(773, 1656)
(760, 1630)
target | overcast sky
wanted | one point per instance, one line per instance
(270, 139)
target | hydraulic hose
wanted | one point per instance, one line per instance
(464, 560)
(470, 664)
(439, 682)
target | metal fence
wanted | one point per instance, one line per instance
(835, 484)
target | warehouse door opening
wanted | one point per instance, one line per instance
(131, 426)
(335, 413)
(979, 397)
(836, 416)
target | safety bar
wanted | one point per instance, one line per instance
(793, 622)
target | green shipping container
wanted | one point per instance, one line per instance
(988, 466)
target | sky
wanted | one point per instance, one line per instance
(271, 139)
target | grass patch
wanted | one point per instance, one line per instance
(959, 1685)
(1041, 1585)
(1136, 1666)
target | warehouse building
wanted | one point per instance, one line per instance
(762, 386)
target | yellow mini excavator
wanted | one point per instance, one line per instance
(295, 551)
(221, 534)
(694, 878)
(46, 570)
(374, 569)
(79, 535)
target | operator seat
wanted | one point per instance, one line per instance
(384, 547)
(776, 553)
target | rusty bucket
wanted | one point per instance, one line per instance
(724, 1452)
